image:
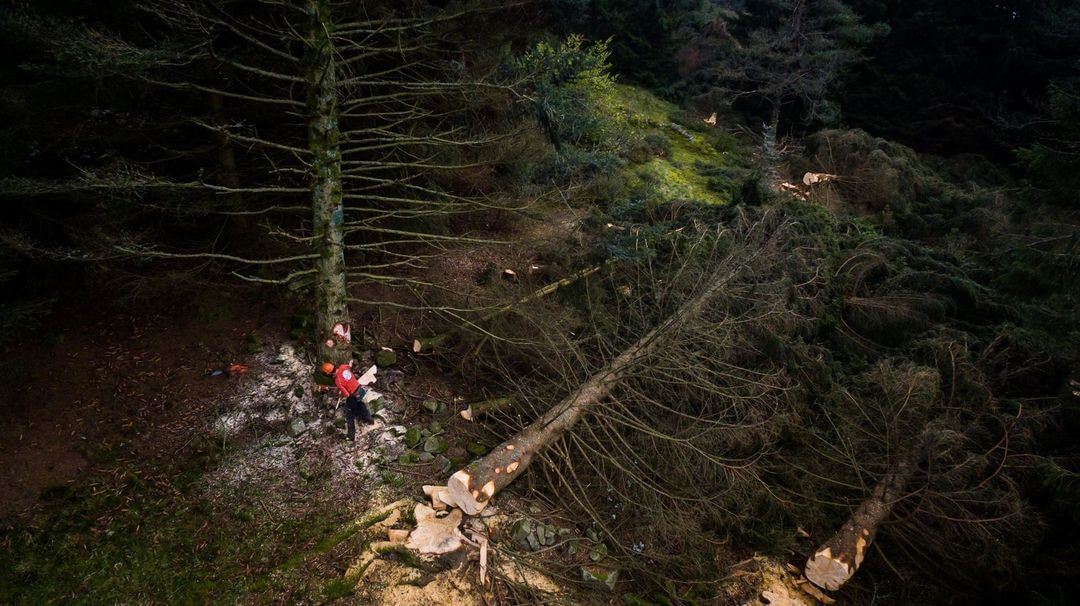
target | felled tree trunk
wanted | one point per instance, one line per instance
(427, 343)
(836, 561)
(471, 488)
(332, 327)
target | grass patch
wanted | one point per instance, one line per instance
(121, 539)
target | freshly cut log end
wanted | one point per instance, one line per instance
(837, 560)
(828, 571)
(463, 495)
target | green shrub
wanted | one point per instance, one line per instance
(573, 92)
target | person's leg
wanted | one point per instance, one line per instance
(350, 421)
(365, 414)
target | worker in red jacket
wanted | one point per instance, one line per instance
(350, 387)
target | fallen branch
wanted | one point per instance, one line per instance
(427, 343)
(483, 407)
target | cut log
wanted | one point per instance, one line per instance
(476, 409)
(836, 561)
(812, 178)
(471, 488)
(428, 343)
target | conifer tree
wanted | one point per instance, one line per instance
(330, 121)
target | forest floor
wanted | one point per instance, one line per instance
(120, 455)
(129, 476)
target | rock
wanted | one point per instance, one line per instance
(598, 552)
(385, 357)
(436, 445)
(443, 464)
(476, 449)
(598, 575)
(549, 535)
(426, 457)
(521, 531)
(412, 437)
(396, 536)
(408, 458)
(431, 406)
(296, 427)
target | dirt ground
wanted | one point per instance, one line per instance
(100, 382)
(110, 379)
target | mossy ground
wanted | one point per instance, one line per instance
(702, 165)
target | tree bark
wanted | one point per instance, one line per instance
(239, 225)
(332, 325)
(471, 488)
(836, 561)
(770, 154)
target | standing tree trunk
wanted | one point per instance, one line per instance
(768, 145)
(770, 154)
(836, 561)
(332, 327)
(472, 488)
(239, 225)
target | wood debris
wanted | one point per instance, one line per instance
(435, 534)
